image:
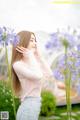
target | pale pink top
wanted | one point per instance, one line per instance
(30, 77)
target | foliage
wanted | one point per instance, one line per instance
(48, 103)
(6, 102)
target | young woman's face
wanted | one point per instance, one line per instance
(32, 43)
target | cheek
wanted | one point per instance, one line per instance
(31, 44)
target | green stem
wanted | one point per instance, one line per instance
(9, 81)
(67, 83)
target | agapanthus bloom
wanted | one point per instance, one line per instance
(68, 40)
(78, 47)
(73, 64)
(8, 36)
(53, 44)
(58, 40)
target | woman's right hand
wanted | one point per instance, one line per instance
(26, 52)
(28, 55)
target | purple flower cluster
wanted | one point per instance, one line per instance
(7, 36)
(58, 40)
(73, 64)
(54, 43)
(78, 47)
(68, 38)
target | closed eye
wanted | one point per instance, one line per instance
(32, 40)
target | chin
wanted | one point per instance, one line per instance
(33, 49)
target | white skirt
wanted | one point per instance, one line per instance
(29, 109)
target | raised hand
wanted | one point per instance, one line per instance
(26, 52)
(22, 49)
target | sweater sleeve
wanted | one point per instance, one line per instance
(23, 71)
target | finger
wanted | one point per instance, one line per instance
(23, 48)
(18, 47)
(19, 50)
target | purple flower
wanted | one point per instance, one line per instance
(77, 63)
(53, 44)
(78, 36)
(16, 40)
(73, 66)
(49, 45)
(7, 36)
(58, 40)
(78, 47)
(73, 55)
(68, 39)
(57, 74)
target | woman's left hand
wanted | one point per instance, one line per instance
(60, 84)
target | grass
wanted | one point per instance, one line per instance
(61, 110)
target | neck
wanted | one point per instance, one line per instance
(28, 57)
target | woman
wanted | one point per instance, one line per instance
(28, 71)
